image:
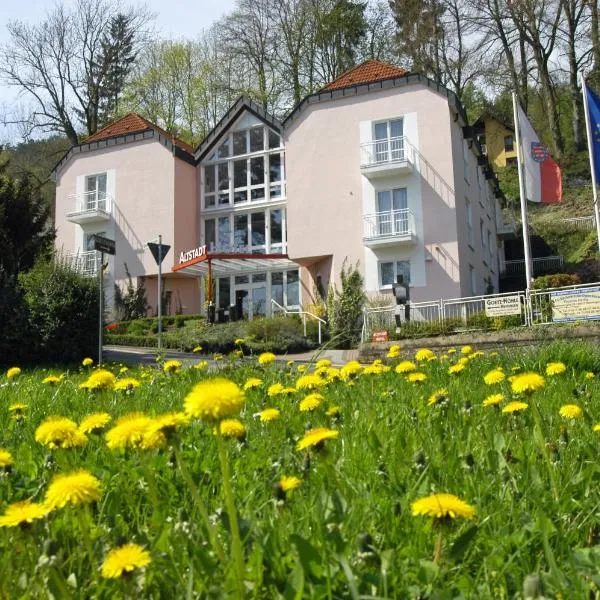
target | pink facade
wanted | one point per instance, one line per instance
(384, 176)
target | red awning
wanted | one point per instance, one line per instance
(231, 263)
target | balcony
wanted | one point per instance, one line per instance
(392, 156)
(90, 207)
(392, 227)
(506, 226)
(85, 263)
(541, 266)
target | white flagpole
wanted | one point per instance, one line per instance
(526, 246)
(588, 129)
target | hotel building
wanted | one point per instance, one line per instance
(379, 168)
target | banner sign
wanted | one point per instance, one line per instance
(576, 305)
(380, 336)
(503, 306)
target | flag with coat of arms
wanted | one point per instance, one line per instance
(593, 106)
(542, 176)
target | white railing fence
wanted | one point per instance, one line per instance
(540, 265)
(389, 223)
(91, 202)
(85, 263)
(304, 315)
(581, 222)
(389, 150)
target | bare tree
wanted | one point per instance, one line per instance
(54, 64)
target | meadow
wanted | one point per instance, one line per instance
(457, 475)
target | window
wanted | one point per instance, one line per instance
(472, 280)
(257, 236)
(89, 240)
(490, 243)
(240, 231)
(509, 143)
(466, 161)
(210, 238)
(389, 272)
(224, 288)
(257, 139)
(511, 161)
(276, 231)
(469, 212)
(223, 234)
(277, 287)
(293, 288)
(223, 175)
(388, 140)
(392, 213)
(239, 143)
(95, 192)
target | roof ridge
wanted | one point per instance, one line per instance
(368, 71)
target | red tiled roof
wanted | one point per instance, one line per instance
(367, 72)
(134, 123)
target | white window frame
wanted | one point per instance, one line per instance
(466, 160)
(472, 280)
(469, 219)
(388, 286)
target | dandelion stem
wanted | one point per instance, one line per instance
(236, 541)
(437, 552)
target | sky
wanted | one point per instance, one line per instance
(174, 18)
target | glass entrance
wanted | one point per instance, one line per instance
(251, 300)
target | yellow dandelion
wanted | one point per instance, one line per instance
(375, 369)
(94, 422)
(17, 407)
(311, 402)
(463, 360)
(123, 370)
(79, 487)
(527, 383)
(514, 407)
(59, 432)
(99, 380)
(218, 357)
(456, 369)
(127, 384)
(323, 363)
(424, 354)
(289, 483)
(87, 362)
(596, 427)
(406, 366)
(252, 382)
(200, 365)
(477, 354)
(494, 376)
(269, 414)
(6, 460)
(239, 341)
(350, 370)
(309, 382)
(333, 411)
(416, 377)
(125, 559)
(437, 396)
(214, 399)
(51, 380)
(23, 514)
(316, 437)
(232, 428)
(302, 368)
(588, 375)
(13, 372)
(266, 358)
(333, 374)
(493, 400)
(442, 506)
(172, 366)
(466, 350)
(570, 411)
(128, 431)
(278, 389)
(516, 368)
(451, 350)
(555, 368)
(162, 428)
(197, 349)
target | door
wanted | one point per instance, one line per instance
(95, 187)
(242, 306)
(389, 141)
(400, 211)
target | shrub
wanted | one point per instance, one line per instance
(556, 280)
(344, 309)
(589, 271)
(62, 311)
(15, 336)
(131, 303)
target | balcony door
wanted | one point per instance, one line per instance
(95, 192)
(392, 212)
(389, 141)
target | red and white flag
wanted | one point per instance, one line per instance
(543, 181)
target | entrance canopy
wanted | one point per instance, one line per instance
(221, 264)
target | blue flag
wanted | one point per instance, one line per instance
(594, 115)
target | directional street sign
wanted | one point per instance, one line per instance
(103, 244)
(164, 250)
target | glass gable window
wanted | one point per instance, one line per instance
(210, 238)
(223, 233)
(276, 231)
(247, 167)
(258, 238)
(240, 230)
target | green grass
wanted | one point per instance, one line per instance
(347, 531)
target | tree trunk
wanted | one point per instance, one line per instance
(595, 39)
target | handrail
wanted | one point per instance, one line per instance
(91, 201)
(387, 150)
(389, 223)
(303, 314)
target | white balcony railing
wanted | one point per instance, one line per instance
(388, 151)
(540, 265)
(389, 225)
(85, 263)
(90, 206)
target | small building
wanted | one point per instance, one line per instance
(497, 139)
(378, 169)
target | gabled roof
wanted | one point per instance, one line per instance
(369, 71)
(488, 113)
(134, 123)
(241, 104)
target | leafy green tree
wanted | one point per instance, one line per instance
(25, 231)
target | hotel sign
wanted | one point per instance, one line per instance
(192, 254)
(503, 306)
